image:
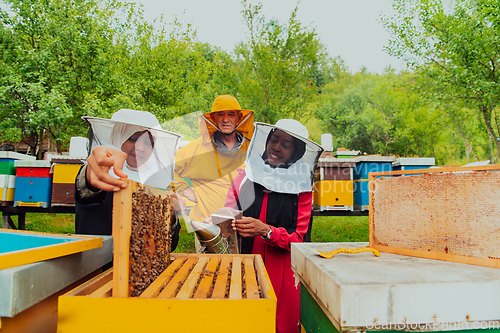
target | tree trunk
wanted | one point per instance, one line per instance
(492, 149)
(33, 142)
(39, 155)
(493, 136)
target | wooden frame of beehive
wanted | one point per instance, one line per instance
(197, 292)
(124, 202)
(438, 213)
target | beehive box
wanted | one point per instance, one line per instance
(445, 213)
(346, 153)
(63, 181)
(33, 184)
(188, 293)
(8, 175)
(196, 293)
(333, 188)
(413, 163)
(392, 293)
(7, 189)
(20, 247)
(364, 166)
(333, 195)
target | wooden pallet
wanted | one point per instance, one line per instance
(440, 213)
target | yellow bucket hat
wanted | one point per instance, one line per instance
(229, 103)
(225, 103)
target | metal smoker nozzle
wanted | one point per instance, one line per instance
(210, 236)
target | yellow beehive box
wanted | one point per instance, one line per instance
(7, 194)
(331, 193)
(196, 293)
(65, 173)
(7, 188)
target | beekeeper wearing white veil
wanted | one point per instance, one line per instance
(274, 168)
(275, 194)
(149, 149)
(130, 145)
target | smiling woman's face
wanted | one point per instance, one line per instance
(279, 148)
(138, 148)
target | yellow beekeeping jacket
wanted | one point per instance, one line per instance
(210, 170)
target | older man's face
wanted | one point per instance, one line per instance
(226, 121)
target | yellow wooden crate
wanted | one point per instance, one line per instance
(65, 173)
(196, 293)
(333, 193)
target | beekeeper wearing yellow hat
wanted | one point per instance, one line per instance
(210, 162)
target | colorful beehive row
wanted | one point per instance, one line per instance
(25, 181)
(342, 184)
(367, 164)
(8, 175)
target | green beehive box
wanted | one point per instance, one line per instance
(7, 159)
(7, 166)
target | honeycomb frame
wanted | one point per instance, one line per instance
(440, 213)
(142, 218)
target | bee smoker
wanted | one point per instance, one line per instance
(211, 238)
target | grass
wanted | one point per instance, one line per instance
(325, 228)
(186, 240)
(51, 223)
(328, 229)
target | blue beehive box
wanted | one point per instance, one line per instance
(413, 163)
(33, 184)
(365, 165)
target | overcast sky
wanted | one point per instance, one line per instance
(348, 28)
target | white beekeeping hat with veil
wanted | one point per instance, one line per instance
(296, 176)
(158, 169)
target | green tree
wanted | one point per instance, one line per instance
(378, 114)
(277, 66)
(58, 58)
(457, 49)
(164, 67)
